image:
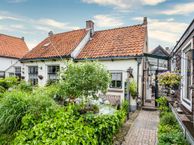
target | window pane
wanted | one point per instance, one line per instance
(116, 80)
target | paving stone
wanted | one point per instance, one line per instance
(144, 129)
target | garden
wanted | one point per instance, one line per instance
(67, 111)
(169, 131)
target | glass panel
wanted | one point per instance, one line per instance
(116, 80)
(33, 74)
(188, 66)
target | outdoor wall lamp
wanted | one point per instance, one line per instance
(139, 60)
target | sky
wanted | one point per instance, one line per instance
(33, 19)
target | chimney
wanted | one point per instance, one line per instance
(90, 26)
(22, 38)
(50, 33)
(167, 49)
(145, 21)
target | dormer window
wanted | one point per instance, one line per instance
(46, 45)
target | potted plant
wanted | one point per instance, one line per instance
(40, 77)
(170, 80)
(133, 88)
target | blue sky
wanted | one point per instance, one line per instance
(33, 19)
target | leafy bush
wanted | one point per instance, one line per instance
(162, 104)
(67, 126)
(169, 79)
(12, 108)
(84, 79)
(64, 127)
(17, 103)
(23, 86)
(169, 131)
(133, 88)
(168, 119)
(8, 82)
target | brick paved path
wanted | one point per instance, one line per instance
(144, 129)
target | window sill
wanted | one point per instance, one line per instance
(119, 90)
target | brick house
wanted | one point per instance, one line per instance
(11, 50)
(182, 57)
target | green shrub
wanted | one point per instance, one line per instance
(168, 119)
(23, 86)
(12, 108)
(169, 131)
(63, 127)
(133, 88)
(8, 82)
(14, 105)
(66, 125)
(84, 79)
(162, 104)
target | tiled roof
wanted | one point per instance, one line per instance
(118, 42)
(57, 45)
(12, 46)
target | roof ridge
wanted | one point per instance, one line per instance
(11, 36)
(121, 27)
(68, 32)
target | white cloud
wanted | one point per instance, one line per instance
(16, 1)
(31, 44)
(4, 15)
(49, 24)
(52, 23)
(180, 9)
(152, 2)
(107, 21)
(166, 31)
(123, 4)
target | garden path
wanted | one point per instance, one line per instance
(144, 129)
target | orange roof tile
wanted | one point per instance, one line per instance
(57, 45)
(118, 42)
(12, 46)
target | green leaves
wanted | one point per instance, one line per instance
(169, 131)
(133, 88)
(84, 79)
(169, 79)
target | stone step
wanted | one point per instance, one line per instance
(149, 108)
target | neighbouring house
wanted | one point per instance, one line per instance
(11, 50)
(157, 61)
(182, 61)
(118, 49)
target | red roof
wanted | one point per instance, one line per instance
(57, 45)
(12, 46)
(118, 42)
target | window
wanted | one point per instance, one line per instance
(18, 72)
(116, 80)
(11, 74)
(186, 72)
(2, 74)
(33, 74)
(53, 72)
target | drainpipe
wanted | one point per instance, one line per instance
(138, 64)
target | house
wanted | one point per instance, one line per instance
(11, 50)
(182, 57)
(118, 49)
(157, 61)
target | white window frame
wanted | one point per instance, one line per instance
(122, 80)
(184, 100)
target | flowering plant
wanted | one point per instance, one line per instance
(169, 79)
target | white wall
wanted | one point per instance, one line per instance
(112, 66)
(6, 63)
(42, 69)
(122, 66)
